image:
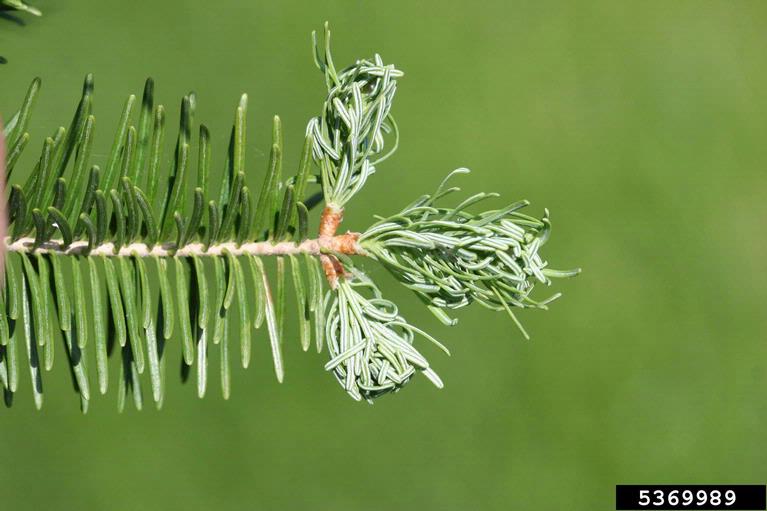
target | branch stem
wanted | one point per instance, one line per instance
(344, 244)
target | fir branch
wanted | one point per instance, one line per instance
(82, 231)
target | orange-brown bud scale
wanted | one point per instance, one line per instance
(330, 219)
(343, 243)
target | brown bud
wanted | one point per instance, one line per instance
(329, 221)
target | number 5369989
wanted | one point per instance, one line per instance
(686, 498)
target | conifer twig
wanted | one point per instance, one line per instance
(148, 255)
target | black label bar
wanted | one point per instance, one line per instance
(710, 497)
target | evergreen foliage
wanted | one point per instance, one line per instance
(128, 257)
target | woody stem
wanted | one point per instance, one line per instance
(344, 244)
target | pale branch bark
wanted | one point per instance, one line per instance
(342, 244)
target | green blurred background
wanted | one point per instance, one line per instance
(641, 125)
